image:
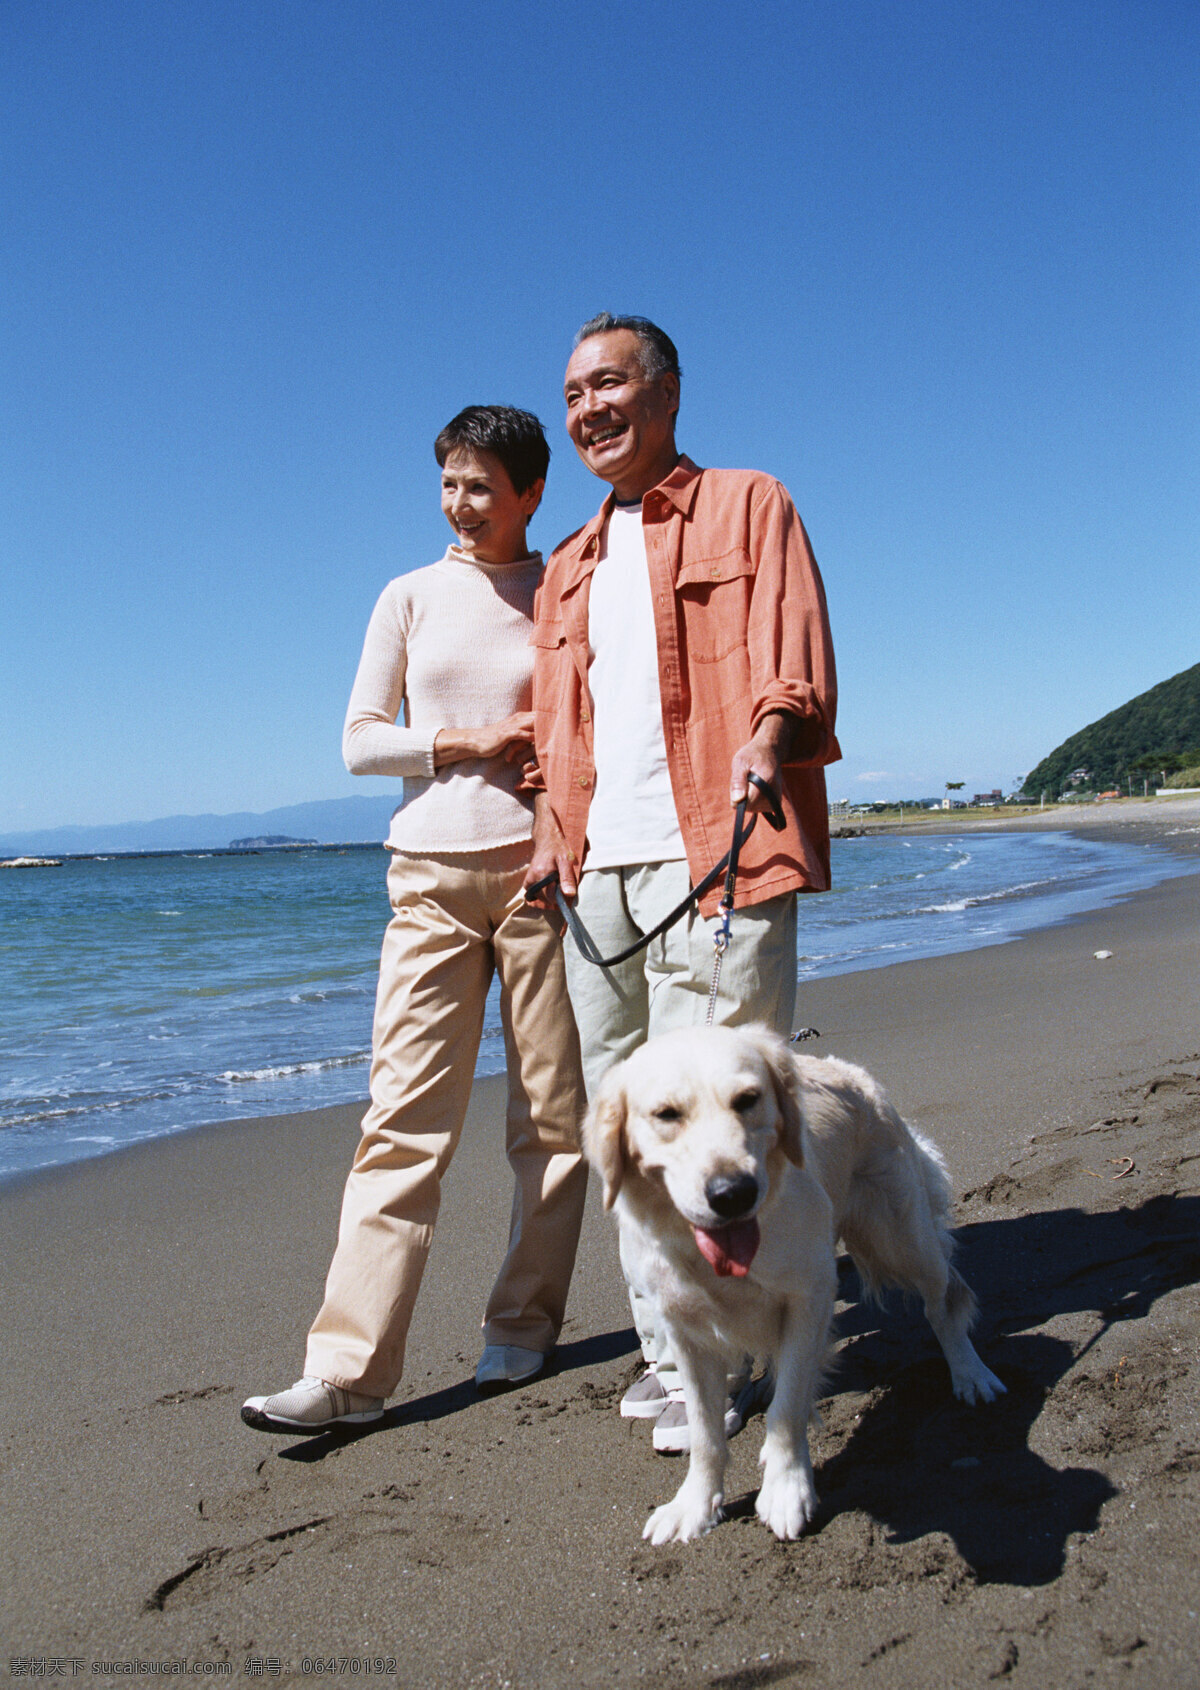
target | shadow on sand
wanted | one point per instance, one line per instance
(902, 1450)
(916, 1461)
(455, 1399)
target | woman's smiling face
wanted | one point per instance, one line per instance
(487, 514)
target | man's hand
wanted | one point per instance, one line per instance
(531, 779)
(763, 756)
(551, 856)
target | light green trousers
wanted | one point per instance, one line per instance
(667, 985)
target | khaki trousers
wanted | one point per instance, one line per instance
(456, 919)
(667, 985)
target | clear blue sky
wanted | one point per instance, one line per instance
(933, 264)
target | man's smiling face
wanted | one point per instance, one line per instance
(621, 422)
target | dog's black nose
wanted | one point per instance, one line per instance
(731, 1196)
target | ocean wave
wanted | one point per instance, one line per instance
(973, 899)
(330, 996)
(160, 1031)
(33, 1116)
(243, 1076)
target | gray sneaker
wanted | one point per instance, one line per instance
(672, 1434)
(311, 1405)
(646, 1397)
(502, 1366)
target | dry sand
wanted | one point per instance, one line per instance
(1047, 1540)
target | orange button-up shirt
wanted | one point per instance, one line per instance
(742, 630)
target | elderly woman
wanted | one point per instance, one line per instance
(449, 646)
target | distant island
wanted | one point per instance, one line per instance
(1152, 740)
(267, 842)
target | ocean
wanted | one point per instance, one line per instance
(147, 995)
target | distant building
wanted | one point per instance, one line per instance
(996, 797)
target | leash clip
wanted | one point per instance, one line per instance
(721, 934)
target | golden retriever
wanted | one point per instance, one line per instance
(735, 1165)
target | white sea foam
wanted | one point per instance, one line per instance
(286, 1071)
(959, 904)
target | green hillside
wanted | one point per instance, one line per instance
(1157, 731)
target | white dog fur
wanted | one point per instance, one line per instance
(811, 1150)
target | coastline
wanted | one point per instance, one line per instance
(1045, 1540)
(1173, 823)
(900, 895)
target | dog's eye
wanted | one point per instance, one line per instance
(746, 1100)
(667, 1112)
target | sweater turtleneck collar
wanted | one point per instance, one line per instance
(457, 558)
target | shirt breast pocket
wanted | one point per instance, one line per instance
(551, 669)
(548, 636)
(714, 596)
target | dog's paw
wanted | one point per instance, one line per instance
(972, 1381)
(980, 1385)
(686, 1516)
(786, 1501)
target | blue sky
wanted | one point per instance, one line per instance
(934, 265)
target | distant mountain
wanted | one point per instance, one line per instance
(332, 821)
(1156, 732)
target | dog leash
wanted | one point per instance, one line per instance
(721, 933)
(728, 866)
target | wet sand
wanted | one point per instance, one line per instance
(1047, 1540)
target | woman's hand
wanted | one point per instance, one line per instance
(456, 745)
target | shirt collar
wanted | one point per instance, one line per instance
(678, 489)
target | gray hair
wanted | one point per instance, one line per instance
(656, 349)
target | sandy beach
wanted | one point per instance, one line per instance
(1044, 1541)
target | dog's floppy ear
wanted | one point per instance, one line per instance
(785, 1077)
(604, 1133)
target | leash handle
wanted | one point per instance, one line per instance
(741, 833)
(774, 811)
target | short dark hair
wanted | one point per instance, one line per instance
(517, 438)
(656, 348)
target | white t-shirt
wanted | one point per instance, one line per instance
(632, 816)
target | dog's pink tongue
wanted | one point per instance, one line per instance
(729, 1250)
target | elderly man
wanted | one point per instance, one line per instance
(681, 644)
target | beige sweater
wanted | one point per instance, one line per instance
(449, 644)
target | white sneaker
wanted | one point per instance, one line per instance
(504, 1365)
(311, 1405)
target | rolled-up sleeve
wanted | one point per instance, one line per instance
(373, 743)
